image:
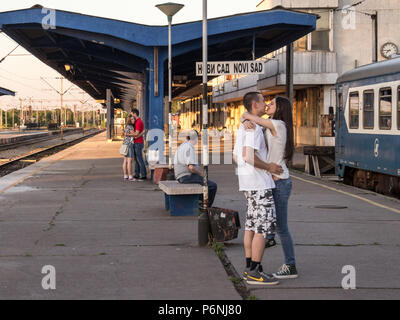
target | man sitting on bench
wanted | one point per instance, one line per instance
(186, 169)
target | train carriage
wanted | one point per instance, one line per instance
(368, 127)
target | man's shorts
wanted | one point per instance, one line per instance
(261, 213)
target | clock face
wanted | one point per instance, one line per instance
(389, 49)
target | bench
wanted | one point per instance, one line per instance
(317, 154)
(181, 199)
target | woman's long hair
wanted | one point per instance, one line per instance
(284, 112)
(128, 121)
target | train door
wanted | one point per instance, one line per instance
(339, 121)
(339, 126)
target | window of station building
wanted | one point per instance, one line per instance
(320, 40)
(369, 109)
(320, 37)
(354, 110)
(301, 44)
(385, 109)
(301, 108)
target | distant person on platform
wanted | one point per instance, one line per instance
(140, 167)
(186, 168)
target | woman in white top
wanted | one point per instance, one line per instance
(280, 145)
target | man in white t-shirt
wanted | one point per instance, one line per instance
(186, 167)
(256, 182)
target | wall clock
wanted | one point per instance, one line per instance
(389, 49)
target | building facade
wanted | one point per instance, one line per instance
(349, 34)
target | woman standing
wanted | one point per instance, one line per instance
(128, 140)
(280, 142)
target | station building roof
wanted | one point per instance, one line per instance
(6, 92)
(98, 54)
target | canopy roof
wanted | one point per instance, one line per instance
(6, 92)
(99, 53)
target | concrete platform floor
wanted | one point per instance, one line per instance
(364, 233)
(111, 239)
(107, 238)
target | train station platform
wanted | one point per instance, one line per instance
(333, 226)
(7, 137)
(111, 239)
(12, 136)
(107, 238)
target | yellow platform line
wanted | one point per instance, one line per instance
(348, 194)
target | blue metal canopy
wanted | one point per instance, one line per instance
(127, 57)
(5, 92)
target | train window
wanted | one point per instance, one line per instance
(398, 108)
(369, 109)
(354, 110)
(385, 109)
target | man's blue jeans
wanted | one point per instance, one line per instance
(196, 179)
(281, 196)
(140, 167)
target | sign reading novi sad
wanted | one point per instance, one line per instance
(231, 67)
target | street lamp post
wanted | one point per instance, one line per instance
(203, 223)
(205, 105)
(170, 9)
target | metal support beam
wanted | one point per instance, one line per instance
(289, 72)
(374, 18)
(110, 116)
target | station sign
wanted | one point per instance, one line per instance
(225, 68)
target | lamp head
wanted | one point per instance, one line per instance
(169, 8)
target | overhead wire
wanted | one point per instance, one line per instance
(1, 60)
(20, 83)
(347, 8)
(18, 75)
(351, 8)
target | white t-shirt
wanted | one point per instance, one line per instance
(251, 178)
(277, 146)
(184, 156)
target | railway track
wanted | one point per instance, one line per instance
(34, 140)
(24, 143)
(8, 166)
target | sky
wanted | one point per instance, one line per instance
(21, 72)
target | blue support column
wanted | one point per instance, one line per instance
(155, 96)
(156, 102)
(146, 97)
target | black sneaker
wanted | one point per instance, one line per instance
(257, 277)
(286, 272)
(270, 244)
